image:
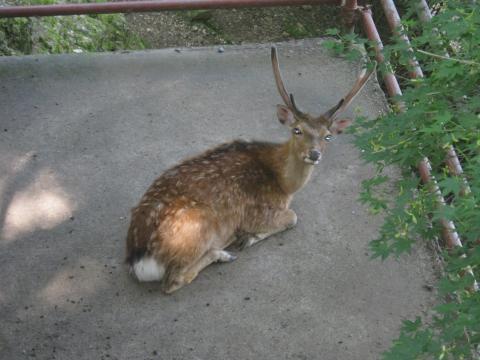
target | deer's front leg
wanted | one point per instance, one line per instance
(282, 221)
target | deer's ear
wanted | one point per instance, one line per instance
(339, 125)
(285, 115)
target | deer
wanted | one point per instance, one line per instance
(236, 193)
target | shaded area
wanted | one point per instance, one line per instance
(234, 26)
(103, 127)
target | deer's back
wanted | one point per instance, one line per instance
(228, 175)
(232, 186)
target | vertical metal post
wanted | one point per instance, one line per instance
(424, 168)
(451, 160)
(391, 82)
(348, 13)
(424, 12)
(395, 24)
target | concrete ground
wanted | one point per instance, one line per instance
(82, 136)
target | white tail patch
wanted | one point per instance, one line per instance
(148, 269)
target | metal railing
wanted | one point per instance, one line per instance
(149, 6)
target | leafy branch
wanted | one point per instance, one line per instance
(440, 110)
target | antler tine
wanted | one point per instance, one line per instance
(347, 99)
(294, 106)
(288, 100)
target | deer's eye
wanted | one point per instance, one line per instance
(328, 137)
(297, 131)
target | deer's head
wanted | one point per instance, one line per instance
(311, 134)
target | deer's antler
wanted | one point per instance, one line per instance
(362, 79)
(287, 99)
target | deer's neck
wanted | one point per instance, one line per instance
(292, 173)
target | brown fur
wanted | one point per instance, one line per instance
(196, 209)
(204, 201)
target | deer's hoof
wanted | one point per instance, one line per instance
(172, 288)
(292, 220)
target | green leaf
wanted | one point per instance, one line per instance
(412, 326)
(451, 185)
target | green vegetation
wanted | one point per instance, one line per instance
(52, 35)
(443, 109)
(297, 30)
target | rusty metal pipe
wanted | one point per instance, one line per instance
(452, 161)
(395, 25)
(455, 168)
(453, 164)
(349, 11)
(449, 232)
(424, 167)
(424, 12)
(370, 29)
(148, 6)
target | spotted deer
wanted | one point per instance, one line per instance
(236, 192)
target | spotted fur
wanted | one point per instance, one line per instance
(196, 209)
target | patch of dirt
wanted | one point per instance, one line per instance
(233, 26)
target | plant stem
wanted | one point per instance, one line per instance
(468, 62)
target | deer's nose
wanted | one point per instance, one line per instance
(314, 154)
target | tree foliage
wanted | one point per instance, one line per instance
(65, 34)
(442, 109)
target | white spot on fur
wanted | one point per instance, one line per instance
(148, 269)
